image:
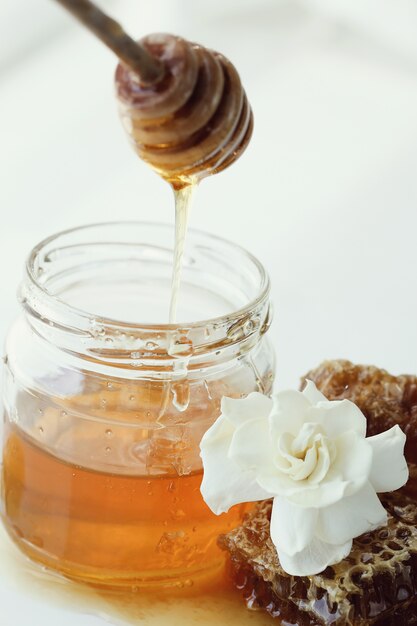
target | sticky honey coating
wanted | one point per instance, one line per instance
(196, 121)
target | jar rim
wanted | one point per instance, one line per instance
(31, 260)
(142, 346)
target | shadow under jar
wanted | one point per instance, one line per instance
(105, 404)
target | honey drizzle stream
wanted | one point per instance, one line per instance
(183, 198)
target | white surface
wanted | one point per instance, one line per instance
(326, 194)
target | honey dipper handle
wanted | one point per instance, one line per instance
(149, 69)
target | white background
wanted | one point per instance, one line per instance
(326, 195)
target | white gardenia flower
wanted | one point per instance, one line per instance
(311, 455)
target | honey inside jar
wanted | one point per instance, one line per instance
(103, 418)
(101, 525)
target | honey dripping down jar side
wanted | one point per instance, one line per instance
(196, 121)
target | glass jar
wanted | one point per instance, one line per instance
(104, 414)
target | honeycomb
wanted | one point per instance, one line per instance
(375, 584)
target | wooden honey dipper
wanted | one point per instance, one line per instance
(182, 105)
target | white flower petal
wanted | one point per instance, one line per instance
(306, 466)
(353, 460)
(314, 558)
(288, 413)
(302, 493)
(220, 429)
(304, 438)
(347, 475)
(239, 410)
(389, 468)
(312, 394)
(250, 446)
(223, 491)
(315, 496)
(285, 461)
(338, 416)
(351, 517)
(322, 465)
(292, 527)
(284, 444)
(279, 484)
(224, 483)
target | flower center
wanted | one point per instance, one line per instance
(306, 456)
